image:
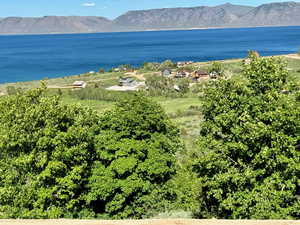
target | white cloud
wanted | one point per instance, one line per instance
(89, 4)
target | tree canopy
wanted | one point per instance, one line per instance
(46, 150)
(136, 158)
(67, 161)
(248, 163)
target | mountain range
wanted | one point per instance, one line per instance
(226, 15)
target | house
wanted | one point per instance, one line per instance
(166, 72)
(127, 82)
(79, 84)
(181, 74)
(200, 74)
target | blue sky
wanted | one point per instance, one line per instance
(106, 8)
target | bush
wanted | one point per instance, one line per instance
(248, 164)
(60, 161)
(12, 90)
(168, 64)
(216, 68)
(149, 66)
(164, 86)
(136, 150)
(46, 152)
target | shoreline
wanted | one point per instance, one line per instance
(291, 56)
(148, 30)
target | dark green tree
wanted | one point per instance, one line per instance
(65, 161)
(249, 159)
(46, 152)
(136, 158)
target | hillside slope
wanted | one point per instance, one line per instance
(274, 14)
(182, 17)
(55, 24)
(226, 15)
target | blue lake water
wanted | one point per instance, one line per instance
(33, 57)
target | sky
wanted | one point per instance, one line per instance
(107, 8)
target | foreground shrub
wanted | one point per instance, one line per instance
(248, 164)
(61, 161)
(136, 158)
(46, 151)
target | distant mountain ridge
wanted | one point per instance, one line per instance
(226, 15)
(54, 24)
(203, 16)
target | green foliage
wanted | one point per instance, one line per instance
(216, 68)
(46, 151)
(58, 161)
(99, 94)
(187, 68)
(248, 165)
(183, 85)
(150, 66)
(160, 86)
(267, 74)
(12, 90)
(153, 66)
(185, 188)
(168, 64)
(164, 86)
(136, 158)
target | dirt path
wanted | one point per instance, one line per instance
(149, 222)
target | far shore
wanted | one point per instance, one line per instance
(148, 30)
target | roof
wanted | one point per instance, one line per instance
(79, 83)
(166, 71)
(201, 72)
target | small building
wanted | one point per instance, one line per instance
(181, 74)
(201, 74)
(127, 82)
(166, 72)
(79, 84)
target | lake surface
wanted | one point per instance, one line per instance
(33, 57)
